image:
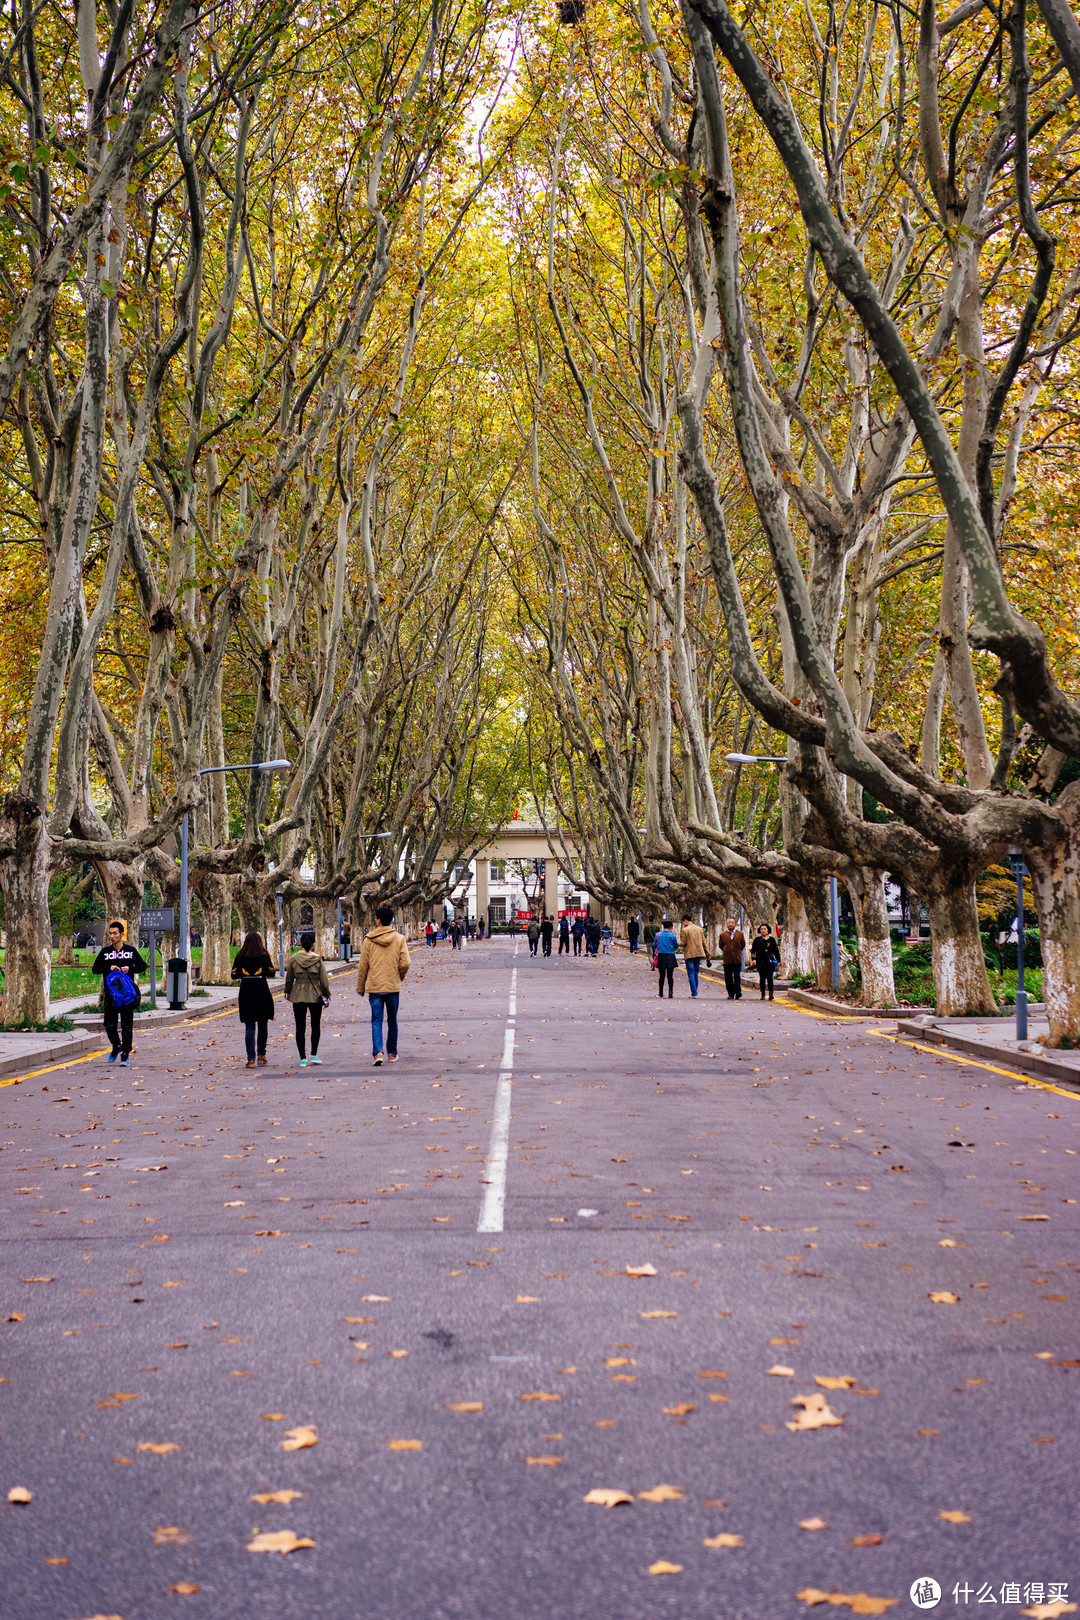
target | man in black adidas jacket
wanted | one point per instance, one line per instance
(117, 954)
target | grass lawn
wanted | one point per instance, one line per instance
(79, 981)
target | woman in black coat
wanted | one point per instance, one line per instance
(765, 953)
(253, 966)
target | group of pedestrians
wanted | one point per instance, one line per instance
(764, 953)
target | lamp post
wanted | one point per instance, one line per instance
(177, 1000)
(1019, 872)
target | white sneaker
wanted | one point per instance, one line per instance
(378, 1060)
(391, 1057)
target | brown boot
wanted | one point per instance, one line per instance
(262, 1060)
(250, 1064)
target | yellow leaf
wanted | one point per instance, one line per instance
(353, 1321)
(169, 1535)
(712, 1375)
(16, 1316)
(300, 1438)
(605, 1496)
(540, 1395)
(717, 1398)
(648, 1316)
(543, 1462)
(678, 1411)
(274, 1417)
(284, 1497)
(784, 1341)
(813, 1524)
(945, 1298)
(397, 1355)
(185, 1588)
(857, 1602)
(844, 1381)
(661, 1493)
(464, 1406)
(954, 1516)
(279, 1541)
(780, 1372)
(19, 1493)
(949, 1243)
(624, 1378)
(815, 1413)
(527, 1299)
(724, 1539)
(57, 1560)
(406, 1445)
(646, 1270)
(872, 1540)
(662, 1567)
(39, 1279)
(620, 1361)
(159, 1448)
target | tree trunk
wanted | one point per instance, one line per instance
(804, 947)
(960, 977)
(215, 890)
(325, 925)
(24, 878)
(1055, 879)
(65, 948)
(875, 944)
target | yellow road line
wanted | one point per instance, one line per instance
(974, 1063)
(16, 1079)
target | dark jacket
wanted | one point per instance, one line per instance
(577, 928)
(255, 1003)
(633, 928)
(732, 947)
(764, 950)
(122, 956)
(547, 928)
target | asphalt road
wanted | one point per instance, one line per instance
(198, 1259)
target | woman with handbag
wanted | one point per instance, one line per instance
(766, 956)
(253, 966)
(308, 988)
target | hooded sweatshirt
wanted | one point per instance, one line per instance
(305, 977)
(384, 962)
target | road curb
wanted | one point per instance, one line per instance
(59, 1051)
(843, 1009)
(1042, 1065)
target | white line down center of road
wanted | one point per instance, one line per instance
(493, 1209)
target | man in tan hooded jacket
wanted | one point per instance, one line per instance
(384, 962)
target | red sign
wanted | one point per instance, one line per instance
(574, 913)
(524, 916)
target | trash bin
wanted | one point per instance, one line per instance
(176, 981)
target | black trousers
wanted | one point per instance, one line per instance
(733, 980)
(252, 1033)
(121, 1037)
(564, 944)
(765, 971)
(300, 1012)
(577, 944)
(665, 961)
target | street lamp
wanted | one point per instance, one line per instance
(1019, 871)
(756, 759)
(180, 972)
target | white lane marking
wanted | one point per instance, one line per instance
(492, 1210)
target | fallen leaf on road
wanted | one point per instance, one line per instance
(661, 1493)
(724, 1539)
(104, 1617)
(159, 1448)
(954, 1516)
(712, 1375)
(867, 1541)
(717, 1398)
(527, 1299)
(19, 1493)
(780, 1372)
(167, 1535)
(185, 1588)
(648, 1316)
(397, 1355)
(816, 1413)
(539, 1395)
(785, 1341)
(543, 1462)
(300, 1438)
(646, 1270)
(844, 1381)
(115, 1399)
(662, 1567)
(274, 1417)
(566, 1370)
(857, 1602)
(406, 1445)
(358, 1321)
(375, 1299)
(1038, 1218)
(605, 1496)
(813, 1524)
(464, 1406)
(945, 1298)
(57, 1560)
(1050, 1611)
(619, 1361)
(949, 1243)
(279, 1541)
(678, 1411)
(284, 1497)
(271, 1234)
(126, 1461)
(16, 1316)
(38, 1279)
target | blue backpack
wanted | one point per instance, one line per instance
(122, 988)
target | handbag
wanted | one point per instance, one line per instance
(655, 958)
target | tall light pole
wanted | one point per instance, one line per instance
(178, 1000)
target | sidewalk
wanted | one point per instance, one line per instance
(994, 1040)
(22, 1053)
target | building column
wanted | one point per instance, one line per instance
(551, 886)
(482, 870)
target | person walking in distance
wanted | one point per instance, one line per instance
(456, 931)
(633, 934)
(547, 928)
(694, 950)
(605, 939)
(564, 935)
(578, 931)
(308, 988)
(732, 944)
(253, 966)
(665, 945)
(119, 964)
(765, 953)
(430, 935)
(384, 962)
(533, 932)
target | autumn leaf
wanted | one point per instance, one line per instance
(813, 1524)
(661, 1493)
(300, 1438)
(844, 1381)
(543, 1462)
(38, 1279)
(605, 1496)
(19, 1494)
(1050, 1611)
(274, 1417)
(646, 1270)
(857, 1602)
(954, 1516)
(724, 1539)
(780, 1371)
(358, 1321)
(279, 1541)
(465, 1406)
(527, 1299)
(945, 1298)
(540, 1395)
(678, 1411)
(16, 1316)
(117, 1398)
(662, 1567)
(871, 1540)
(815, 1413)
(271, 1234)
(619, 1361)
(406, 1445)
(168, 1535)
(712, 1375)
(185, 1588)
(648, 1316)
(159, 1448)
(284, 1497)
(716, 1399)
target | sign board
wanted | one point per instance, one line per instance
(161, 921)
(1018, 868)
(524, 916)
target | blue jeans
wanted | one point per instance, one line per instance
(693, 964)
(251, 1032)
(633, 946)
(390, 1002)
